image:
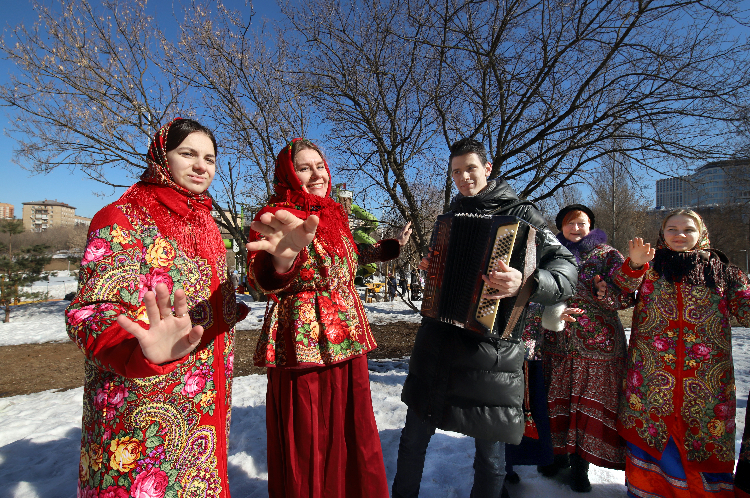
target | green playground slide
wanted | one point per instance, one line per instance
(362, 236)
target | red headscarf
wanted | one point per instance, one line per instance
(180, 215)
(290, 196)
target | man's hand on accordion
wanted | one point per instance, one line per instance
(425, 263)
(506, 282)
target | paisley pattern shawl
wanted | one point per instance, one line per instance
(680, 379)
(163, 428)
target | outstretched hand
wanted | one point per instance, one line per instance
(507, 281)
(639, 253)
(169, 336)
(404, 234)
(285, 236)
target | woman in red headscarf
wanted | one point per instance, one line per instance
(322, 436)
(155, 315)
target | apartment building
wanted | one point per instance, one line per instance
(41, 215)
(6, 211)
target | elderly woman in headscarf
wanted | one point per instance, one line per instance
(322, 436)
(584, 360)
(155, 315)
(677, 412)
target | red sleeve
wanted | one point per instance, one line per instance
(268, 280)
(109, 283)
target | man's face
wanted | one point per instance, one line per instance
(469, 174)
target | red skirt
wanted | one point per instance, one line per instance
(322, 436)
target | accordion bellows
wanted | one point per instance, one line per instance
(465, 247)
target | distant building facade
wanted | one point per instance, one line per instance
(42, 215)
(714, 184)
(6, 211)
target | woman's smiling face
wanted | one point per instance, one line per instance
(311, 171)
(681, 233)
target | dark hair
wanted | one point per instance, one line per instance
(180, 130)
(304, 144)
(468, 146)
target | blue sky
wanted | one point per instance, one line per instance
(71, 187)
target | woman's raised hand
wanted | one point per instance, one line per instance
(169, 337)
(285, 236)
(639, 253)
(404, 234)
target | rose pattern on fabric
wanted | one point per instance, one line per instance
(137, 453)
(328, 324)
(150, 484)
(96, 250)
(149, 281)
(675, 322)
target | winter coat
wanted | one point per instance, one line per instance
(680, 377)
(464, 383)
(153, 427)
(316, 316)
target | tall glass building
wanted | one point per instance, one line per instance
(716, 183)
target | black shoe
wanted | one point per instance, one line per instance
(512, 477)
(579, 475)
(504, 493)
(551, 470)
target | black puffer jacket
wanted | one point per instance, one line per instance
(474, 386)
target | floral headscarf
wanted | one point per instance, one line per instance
(179, 214)
(157, 170)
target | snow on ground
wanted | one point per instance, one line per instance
(40, 433)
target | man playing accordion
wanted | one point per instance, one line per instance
(467, 382)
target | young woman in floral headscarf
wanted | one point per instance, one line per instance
(678, 406)
(155, 315)
(322, 436)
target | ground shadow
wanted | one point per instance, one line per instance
(48, 469)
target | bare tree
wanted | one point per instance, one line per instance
(367, 82)
(545, 82)
(90, 89)
(248, 95)
(617, 201)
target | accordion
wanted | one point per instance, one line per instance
(465, 247)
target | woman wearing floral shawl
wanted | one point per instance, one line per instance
(155, 315)
(677, 412)
(322, 436)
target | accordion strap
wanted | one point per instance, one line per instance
(527, 283)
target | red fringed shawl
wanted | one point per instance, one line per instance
(180, 214)
(290, 196)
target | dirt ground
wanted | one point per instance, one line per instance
(31, 368)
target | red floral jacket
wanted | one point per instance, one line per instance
(680, 376)
(151, 430)
(316, 317)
